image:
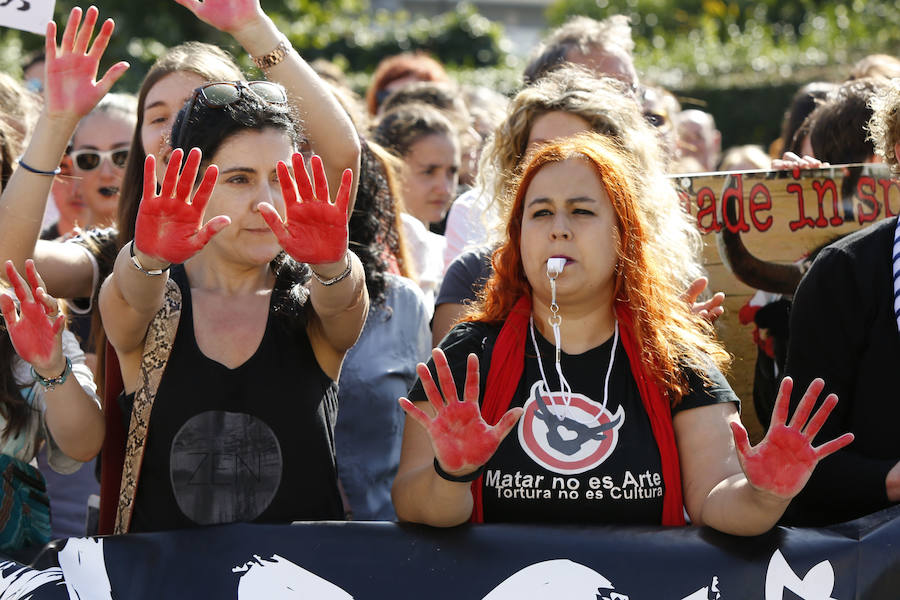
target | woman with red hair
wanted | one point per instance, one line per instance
(588, 349)
(395, 71)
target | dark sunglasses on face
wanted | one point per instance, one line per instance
(222, 93)
(88, 160)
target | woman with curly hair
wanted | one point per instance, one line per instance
(623, 413)
(381, 364)
(567, 101)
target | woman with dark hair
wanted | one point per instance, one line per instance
(427, 145)
(208, 320)
(381, 365)
(76, 270)
(579, 289)
(803, 103)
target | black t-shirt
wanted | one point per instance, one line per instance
(575, 463)
(465, 276)
(254, 443)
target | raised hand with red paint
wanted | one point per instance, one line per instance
(72, 90)
(462, 441)
(224, 15)
(36, 328)
(315, 230)
(169, 225)
(783, 461)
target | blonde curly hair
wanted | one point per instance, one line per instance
(610, 110)
(884, 126)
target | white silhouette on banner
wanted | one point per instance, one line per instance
(82, 562)
(280, 579)
(710, 592)
(81, 569)
(817, 585)
(18, 582)
(555, 579)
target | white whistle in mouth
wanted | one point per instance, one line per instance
(555, 267)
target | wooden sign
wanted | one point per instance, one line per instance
(779, 217)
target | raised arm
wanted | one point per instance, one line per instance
(331, 132)
(72, 414)
(315, 232)
(168, 230)
(745, 490)
(71, 92)
(449, 435)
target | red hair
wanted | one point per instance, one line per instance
(668, 335)
(415, 64)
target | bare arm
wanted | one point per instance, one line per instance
(455, 434)
(716, 492)
(741, 490)
(71, 93)
(418, 493)
(129, 300)
(315, 232)
(168, 230)
(341, 310)
(73, 415)
(330, 130)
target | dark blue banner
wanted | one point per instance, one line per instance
(858, 560)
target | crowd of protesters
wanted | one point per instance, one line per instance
(250, 271)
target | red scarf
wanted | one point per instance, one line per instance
(508, 363)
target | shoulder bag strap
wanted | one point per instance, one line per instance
(157, 347)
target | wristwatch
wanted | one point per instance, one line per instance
(267, 61)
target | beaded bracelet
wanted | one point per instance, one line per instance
(334, 280)
(49, 384)
(460, 478)
(31, 169)
(137, 264)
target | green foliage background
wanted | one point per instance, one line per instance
(741, 60)
(341, 30)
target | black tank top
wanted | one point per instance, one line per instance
(254, 443)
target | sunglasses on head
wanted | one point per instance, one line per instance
(219, 94)
(88, 160)
(223, 93)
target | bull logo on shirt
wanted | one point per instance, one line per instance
(568, 434)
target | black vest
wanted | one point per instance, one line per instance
(254, 443)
